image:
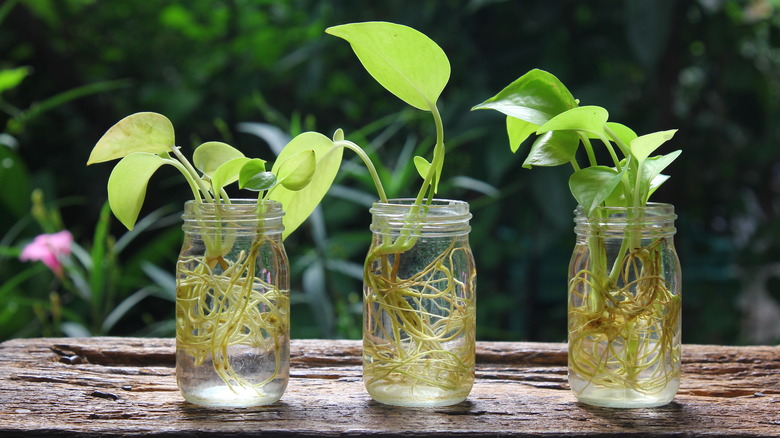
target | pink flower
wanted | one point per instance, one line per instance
(48, 248)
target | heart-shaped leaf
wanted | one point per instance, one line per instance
(590, 119)
(642, 147)
(127, 185)
(228, 172)
(553, 149)
(592, 185)
(535, 97)
(299, 204)
(139, 132)
(403, 60)
(210, 155)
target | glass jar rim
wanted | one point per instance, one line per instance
(654, 218)
(652, 212)
(237, 215)
(440, 216)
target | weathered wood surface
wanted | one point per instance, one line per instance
(126, 387)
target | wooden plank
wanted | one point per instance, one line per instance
(126, 386)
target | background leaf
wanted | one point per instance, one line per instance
(405, 61)
(139, 132)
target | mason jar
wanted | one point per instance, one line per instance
(419, 304)
(232, 304)
(624, 307)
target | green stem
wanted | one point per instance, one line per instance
(192, 175)
(438, 158)
(193, 185)
(588, 148)
(366, 160)
(612, 153)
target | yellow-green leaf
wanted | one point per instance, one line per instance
(590, 119)
(127, 185)
(299, 204)
(227, 173)
(296, 171)
(139, 132)
(423, 166)
(210, 155)
(518, 131)
(403, 60)
(642, 147)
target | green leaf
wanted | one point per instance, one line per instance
(296, 171)
(228, 172)
(15, 178)
(11, 77)
(210, 155)
(298, 205)
(642, 147)
(127, 185)
(535, 97)
(423, 167)
(553, 149)
(590, 119)
(591, 186)
(622, 132)
(518, 131)
(139, 132)
(253, 176)
(404, 61)
(651, 170)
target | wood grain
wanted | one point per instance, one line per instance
(126, 387)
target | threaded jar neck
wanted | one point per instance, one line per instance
(442, 217)
(654, 219)
(240, 216)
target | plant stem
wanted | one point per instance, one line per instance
(367, 161)
(192, 174)
(588, 148)
(193, 185)
(438, 158)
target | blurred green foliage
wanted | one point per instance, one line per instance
(254, 72)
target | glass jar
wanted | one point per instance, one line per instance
(232, 305)
(419, 304)
(624, 307)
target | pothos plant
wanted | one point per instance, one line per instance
(628, 312)
(405, 344)
(299, 178)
